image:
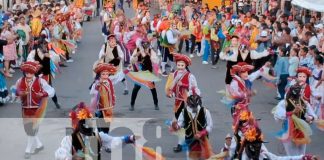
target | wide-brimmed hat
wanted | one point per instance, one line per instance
(111, 36)
(30, 67)
(101, 67)
(241, 67)
(305, 70)
(181, 57)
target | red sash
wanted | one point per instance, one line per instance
(106, 100)
(307, 93)
(181, 89)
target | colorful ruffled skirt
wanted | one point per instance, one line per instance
(296, 130)
(4, 95)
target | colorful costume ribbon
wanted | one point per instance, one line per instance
(149, 153)
(296, 130)
(40, 113)
(142, 78)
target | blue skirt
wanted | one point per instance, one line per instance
(3, 85)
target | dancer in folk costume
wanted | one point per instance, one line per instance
(180, 85)
(168, 40)
(196, 34)
(60, 35)
(112, 53)
(106, 28)
(303, 74)
(69, 41)
(55, 52)
(77, 23)
(237, 53)
(33, 92)
(145, 20)
(145, 68)
(207, 37)
(103, 95)
(85, 141)
(183, 27)
(46, 31)
(140, 8)
(133, 38)
(198, 124)
(248, 138)
(240, 88)
(248, 143)
(108, 13)
(120, 28)
(296, 114)
(40, 53)
(215, 43)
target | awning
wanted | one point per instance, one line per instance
(314, 5)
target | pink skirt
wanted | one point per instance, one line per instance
(10, 52)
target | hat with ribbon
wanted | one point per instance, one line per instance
(241, 67)
(30, 67)
(181, 57)
(101, 67)
(305, 70)
(78, 113)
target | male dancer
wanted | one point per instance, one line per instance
(296, 113)
(104, 95)
(33, 92)
(112, 53)
(237, 53)
(180, 85)
(197, 122)
(168, 41)
(85, 142)
(40, 54)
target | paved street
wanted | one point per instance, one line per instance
(72, 87)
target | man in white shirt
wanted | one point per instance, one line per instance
(197, 122)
